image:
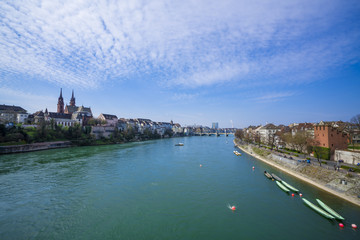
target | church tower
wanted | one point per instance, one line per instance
(60, 105)
(72, 100)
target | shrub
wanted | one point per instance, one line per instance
(322, 152)
(349, 175)
(355, 169)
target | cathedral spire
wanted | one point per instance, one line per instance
(60, 105)
(72, 100)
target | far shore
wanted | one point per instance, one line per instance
(351, 199)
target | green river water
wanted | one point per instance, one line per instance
(156, 190)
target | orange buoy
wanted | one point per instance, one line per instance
(233, 208)
(300, 194)
(354, 226)
(253, 167)
(292, 194)
(341, 225)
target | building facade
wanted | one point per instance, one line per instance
(329, 135)
(12, 114)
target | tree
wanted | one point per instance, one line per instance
(239, 134)
(271, 139)
(354, 128)
(356, 120)
(257, 138)
(300, 140)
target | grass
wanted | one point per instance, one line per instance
(260, 152)
(13, 143)
(354, 147)
(356, 169)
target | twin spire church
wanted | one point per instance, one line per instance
(60, 105)
(69, 115)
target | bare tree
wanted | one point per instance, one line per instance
(271, 139)
(239, 134)
(300, 140)
(356, 120)
(257, 138)
(354, 128)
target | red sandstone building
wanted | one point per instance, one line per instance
(331, 135)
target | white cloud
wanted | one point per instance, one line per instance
(273, 97)
(25, 99)
(184, 96)
(187, 43)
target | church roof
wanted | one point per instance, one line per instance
(70, 109)
(84, 109)
(59, 115)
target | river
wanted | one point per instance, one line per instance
(156, 190)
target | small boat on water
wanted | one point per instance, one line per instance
(268, 175)
(237, 153)
(285, 189)
(317, 209)
(179, 144)
(276, 177)
(289, 186)
(330, 210)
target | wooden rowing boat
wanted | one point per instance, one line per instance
(317, 209)
(289, 186)
(285, 189)
(276, 177)
(330, 210)
(268, 175)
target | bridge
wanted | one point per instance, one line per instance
(213, 134)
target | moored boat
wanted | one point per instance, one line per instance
(237, 153)
(289, 186)
(285, 189)
(317, 209)
(330, 210)
(179, 144)
(276, 177)
(268, 175)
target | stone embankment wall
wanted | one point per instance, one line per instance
(349, 157)
(33, 147)
(342, 184)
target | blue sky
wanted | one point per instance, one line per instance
(237, 63)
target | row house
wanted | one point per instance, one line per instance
(268, 132)
(122, 124)
(144, 124)
(302, 127)
(111, 120)
(188, 131)
(177, 129)
(141, 124)
(13, 114)
(102, 131)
